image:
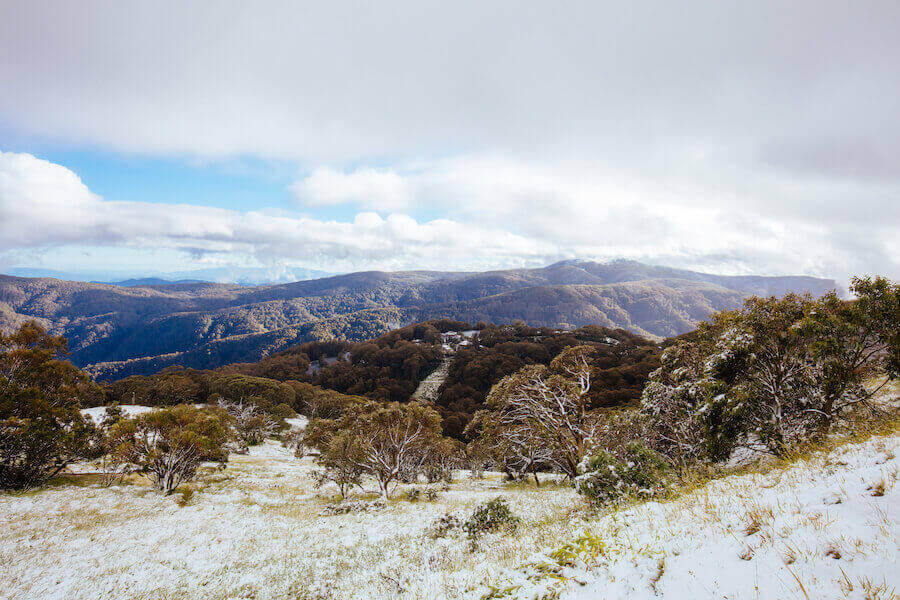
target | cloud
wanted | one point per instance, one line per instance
(500, 214)
(341, 83)
(370, 188)
(730, 136)
(762, 224)
(43, 205)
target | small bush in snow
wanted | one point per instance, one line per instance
(417, 494)
(293, 440)
(491, 516)
(604, 478)
(250, 425)
(445, 525)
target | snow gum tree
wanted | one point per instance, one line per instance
(340, 462)
(383, 441)
(513, 447)
(776, 372)
(41, 428)
(542, 414)
(250, 425)
(170, 443)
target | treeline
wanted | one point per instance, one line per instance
(389, 369)
(775, 375)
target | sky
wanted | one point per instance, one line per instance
(728, 137)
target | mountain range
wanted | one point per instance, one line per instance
(116, 331)
(249, 276)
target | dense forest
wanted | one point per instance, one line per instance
(621, 364)
(389, 368)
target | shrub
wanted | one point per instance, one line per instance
(445, 525)
(417, 494)
(604, 478)
(293, 440)
(489, 517)
(250, 425)
(170, 443)
(114, 461)
(339, 461)
(41, 428)
(360, 506)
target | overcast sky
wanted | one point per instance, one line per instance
(731, 137)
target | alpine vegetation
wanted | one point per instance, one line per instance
(545, 464)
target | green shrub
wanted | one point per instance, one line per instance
(41, 428)
(170, 443)
(604, 478)
(491, 516)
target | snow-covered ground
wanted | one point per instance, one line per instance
(253, 530)
(258, 529)
(298, 422)
(98, 413)
(824, 528)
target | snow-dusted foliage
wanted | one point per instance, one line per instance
(605, 478)
(250, 425)
(540, 416)
(777, 372)
(682, 404)
(491, 516)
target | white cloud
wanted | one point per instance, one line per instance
(342, 82)
(731, 136)
(501, 213)
(583, 208)
(44, 205)
(370, 188)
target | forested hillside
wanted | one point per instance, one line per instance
(117, 331)
(319, 377)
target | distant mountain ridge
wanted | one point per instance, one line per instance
(150, 281)
(116, 331)
(249, 276)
